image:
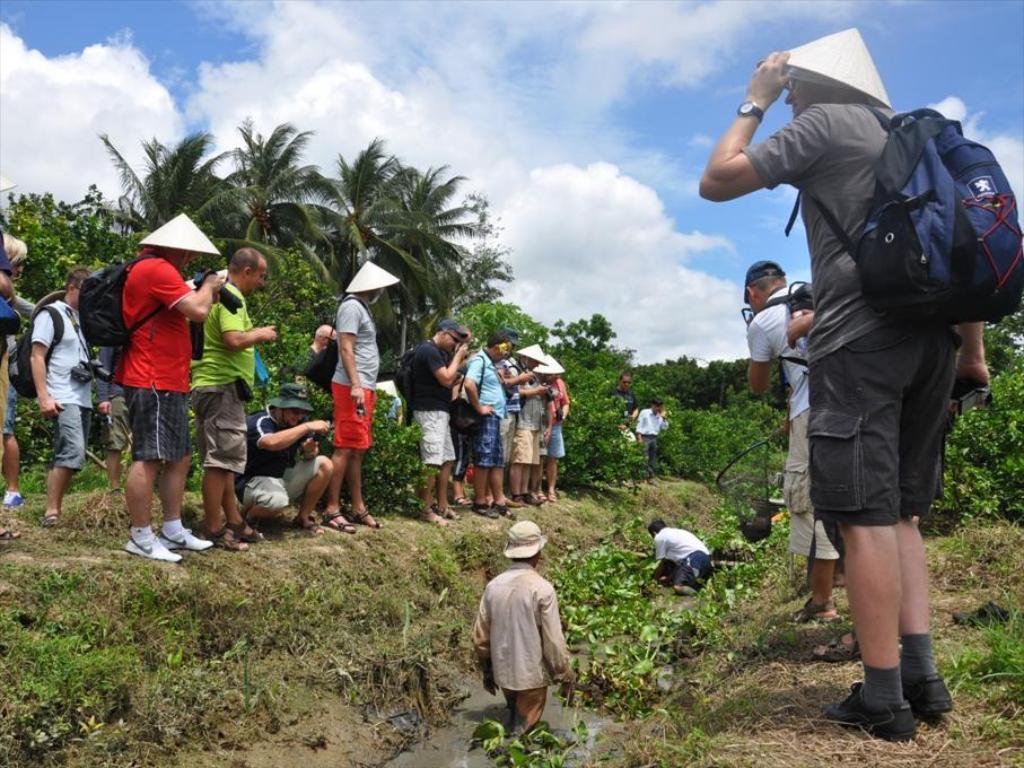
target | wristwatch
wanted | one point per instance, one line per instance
(750, 109)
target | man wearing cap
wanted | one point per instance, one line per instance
(767, 339)
(435, 369)
(486, 394)
(528, 426)
(282, 465)
(353, 389)
(154, 372)
(517, 634)
(222, 381)
(651, 423)
(878, 386)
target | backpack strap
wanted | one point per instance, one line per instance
(136, 326)
(834, 225)
(58, 329)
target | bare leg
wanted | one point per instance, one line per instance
(535, 478)
(427, 489)
(873, 584)
(552, 470)
(355, 489)
(496, 483)
(339, 459)
(442, 487)
(172, 487)
(138, 492)
(114, 469)
(914, 580)
(230, 503)
(822, 572)
(11, 462)
(321, 480)
(515, 479)
(57, 482)
(214, 481)
(481, 481)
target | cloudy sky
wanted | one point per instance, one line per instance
(586, 124)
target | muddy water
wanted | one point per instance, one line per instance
(449, 747)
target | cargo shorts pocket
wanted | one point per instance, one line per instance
(837, 461)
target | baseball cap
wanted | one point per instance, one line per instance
(453, 326)
(758, 270)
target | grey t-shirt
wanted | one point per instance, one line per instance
(354, 318)
(828, 152)
(67, 353)
(531, 414)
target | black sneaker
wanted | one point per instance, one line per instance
(928, 697)
(892, 723)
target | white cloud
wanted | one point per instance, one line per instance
(52, 111)
(1008, 149)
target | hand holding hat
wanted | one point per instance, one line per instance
(768, 80)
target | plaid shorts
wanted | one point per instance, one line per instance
(487, 448)
(159, 422)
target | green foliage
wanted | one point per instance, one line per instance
(537, 748)
(985, 453)
(485, 318)
(997, 664)
(597, 449)
(392, 470)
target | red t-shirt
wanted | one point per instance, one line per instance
(160, 352)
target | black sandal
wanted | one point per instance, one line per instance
(360, 519)
(331, 523)
(225, 539)
(485, 510)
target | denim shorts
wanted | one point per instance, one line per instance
(556, 443)
(71, 436)
(878, 408)
(693, 570)
(487, 448)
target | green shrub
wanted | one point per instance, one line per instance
(392, 470)
(985, 454)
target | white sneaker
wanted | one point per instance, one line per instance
(185, 541)
(152, 550)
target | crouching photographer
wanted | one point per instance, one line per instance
(63, 372)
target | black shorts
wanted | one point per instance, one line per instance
(159, 424)
(878, 409)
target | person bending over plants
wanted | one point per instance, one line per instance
(684, 561)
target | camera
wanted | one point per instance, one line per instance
(231, 302)
(84, 372)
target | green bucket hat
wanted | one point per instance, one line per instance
(292, 396)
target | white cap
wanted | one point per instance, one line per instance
(534, 352)
(182, 234)
(841, 59)
(370, 277)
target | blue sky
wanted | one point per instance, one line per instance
(587, 125)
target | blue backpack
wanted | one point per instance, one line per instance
(942, 239)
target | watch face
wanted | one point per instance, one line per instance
(746, 108)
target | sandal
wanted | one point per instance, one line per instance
(538, 499)
(310, 526)
(838, 649)
(812, 611)
(503, 510)
(337, 522)
(225, 539)
(461, 501)
(447, 514)
(360, 518)
(48, 521)
(485, 510)
(246, 533)
(431, 516)
(8, 535)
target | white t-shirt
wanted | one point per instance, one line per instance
(766, 338)
(68, 353)
(675, 544)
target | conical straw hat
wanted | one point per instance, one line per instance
(182, 234)
(841, 58)
(550, 366)
(370, 277)
(534, 352)
(6, 184)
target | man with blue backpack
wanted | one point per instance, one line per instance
(904, 241)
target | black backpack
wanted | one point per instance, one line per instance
(320, 370)
(100, 306)
(21, 362)
(404, 378)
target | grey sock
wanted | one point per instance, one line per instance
(916, 659)
(882, 687)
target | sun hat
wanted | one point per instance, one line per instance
(455, 327)
(6, 184)
(370, 277)
(182, 234)
(758, 270)
(292, 396)
(550, 366)
(839, 59)
(533, 352)
(524, 540)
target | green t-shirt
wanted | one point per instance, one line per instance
(219, 365)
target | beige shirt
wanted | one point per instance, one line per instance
(519, 629)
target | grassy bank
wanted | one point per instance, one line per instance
(300, 651)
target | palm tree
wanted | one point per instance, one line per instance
(274, 192)
(176, 179)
